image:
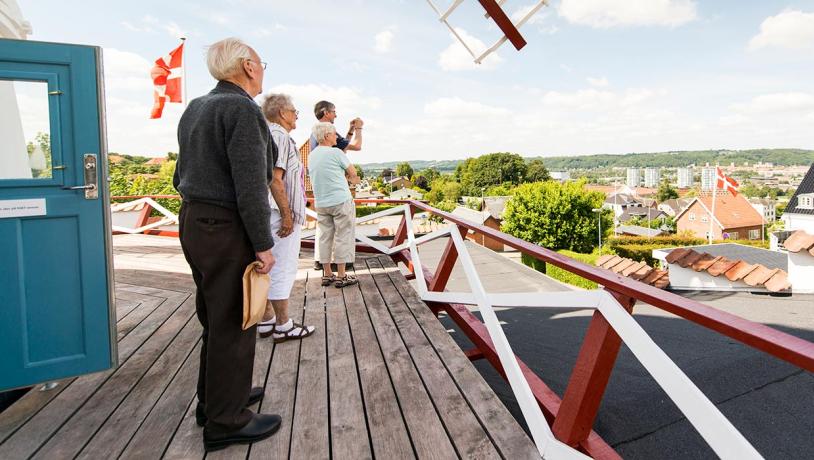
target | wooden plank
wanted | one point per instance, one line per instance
(503, 429)
(39, 428)
(187, 442)
(113, 436)
(311, 414)
(281, 383)
(158, 429)
(126, 324)
(80, 427)
(465, 431)
(349, 438)
(429, 437)
(388, 433)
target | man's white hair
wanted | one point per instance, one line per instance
(225, 58)
(322, 129)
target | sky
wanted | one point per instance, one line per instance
(597, 76)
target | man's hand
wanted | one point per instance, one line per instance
(267, 259)
(286, 226)
(358, 123)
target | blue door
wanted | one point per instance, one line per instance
(56, 317)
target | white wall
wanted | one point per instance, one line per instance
(689, 279)
(798, 222)
(801, 272)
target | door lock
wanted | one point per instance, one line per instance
(91, 175)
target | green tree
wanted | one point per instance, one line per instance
(451, 191)
(359, 171)
(500, 190)
(421, 181)
(404, 170)
(43, 140)
(556, 216)
(430, 173)
(536, 171)
(666, 192)
(490, 169)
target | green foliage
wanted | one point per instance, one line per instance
(560, 274)
(43, 140)
(667, 224)
(421, 181)
(555, 215)
(473, 203)
(404, 170)
(641, 249)
(430, 173)
(666, 192)
(489, 170)
(124, 182)
(447, 206)
(500, 190)
(451, 192)
(362, 211)
(753, 191)
(359, 171)
(780, 209)
(536, 171)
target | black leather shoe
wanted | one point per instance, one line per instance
(255, 395)
(260, 427)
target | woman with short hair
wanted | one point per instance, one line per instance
(330, 171)
(287, 200)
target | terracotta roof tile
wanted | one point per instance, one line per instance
(739, 270)
(778, 282)
(676, 254)
(638, 271)
(721, 266)
(633, 268)
(800, 241)
(690, 258)
(733, 211)
(704, 262)
(604, 258)
(759, 275)
(622, 265)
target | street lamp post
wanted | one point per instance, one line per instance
(598, 212)
(481, 198)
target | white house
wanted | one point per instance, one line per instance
(406, 194)
(799, 214)
(800, 247)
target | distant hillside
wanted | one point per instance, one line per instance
(785, 157)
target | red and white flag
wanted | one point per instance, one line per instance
(725, 182)
(167, 77)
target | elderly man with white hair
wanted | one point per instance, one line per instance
(223, 174)
(330, 171)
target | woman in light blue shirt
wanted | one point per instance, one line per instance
(330, 172)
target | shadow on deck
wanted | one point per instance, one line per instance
(381, 377)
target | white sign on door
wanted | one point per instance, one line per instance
(22, 208)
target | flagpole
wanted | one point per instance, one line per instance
(714, 194)
(184, 71)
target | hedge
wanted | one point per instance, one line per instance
(641, 249)
(362, 211)
(560, 274)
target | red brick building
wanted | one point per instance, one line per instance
(735, 218)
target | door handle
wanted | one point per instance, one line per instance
(91, 177)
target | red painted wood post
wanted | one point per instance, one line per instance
(144, 216)
(446, 264)
(589, 378)
(401, 233)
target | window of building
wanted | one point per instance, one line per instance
(806, 201)
(692, 216)
(704, 219)
(733, 235)
(754, 234)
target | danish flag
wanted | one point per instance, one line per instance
(725, 182)
(167, 78)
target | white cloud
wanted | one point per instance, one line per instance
(175, 30)
(598, 82)
(453, 107)
(127, 71)
(596, 100)
(615, 13)
(777, 103)
(790, 29)
(263, 32)
(384, 41)
(455, 57)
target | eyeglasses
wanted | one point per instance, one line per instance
(262, 64)
(296, 112)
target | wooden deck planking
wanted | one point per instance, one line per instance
(281, 381)
(349, 432)
(427, 432)
(465, 431)
(503, 429)
(379, 378)
(311, 422)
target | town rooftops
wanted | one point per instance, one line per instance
(640, 211)
(730, 211)
(774, 279)
(638, 271)
(635, 230)
(496, 205)
(734, 251)
(806, 187)
(470, 215)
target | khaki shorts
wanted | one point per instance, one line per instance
(337, 227)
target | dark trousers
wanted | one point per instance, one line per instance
(218, 250)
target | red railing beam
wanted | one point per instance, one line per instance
(445, 265)
(589, 379)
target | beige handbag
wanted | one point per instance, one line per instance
(255, 291)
